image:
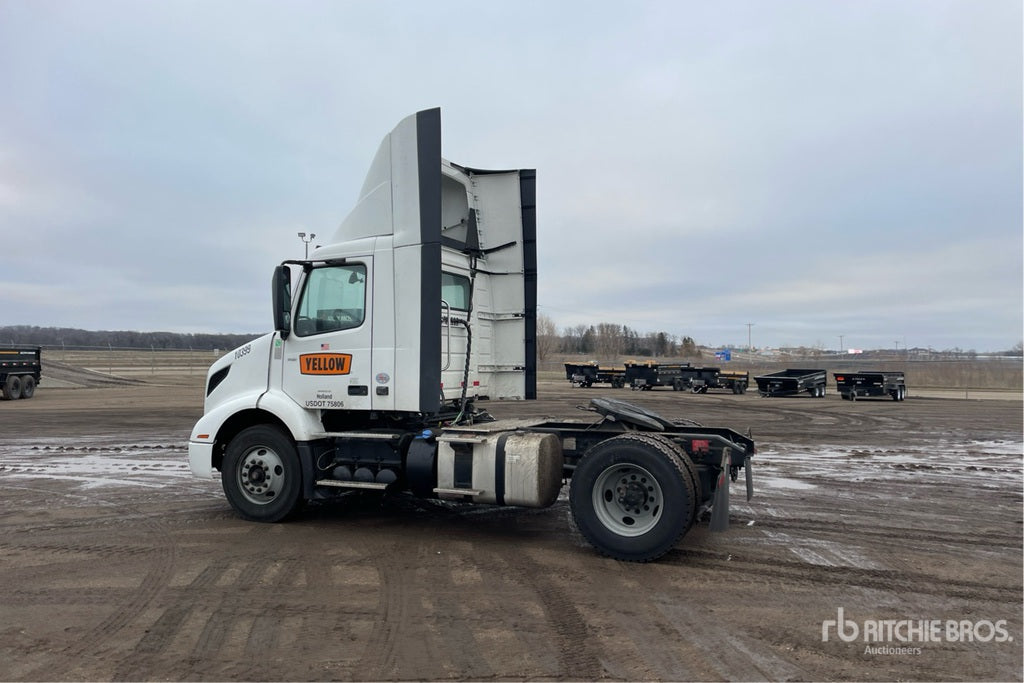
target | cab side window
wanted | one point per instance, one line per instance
(333, 299)
(455, 290)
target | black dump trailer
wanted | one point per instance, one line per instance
(646, 376)
(735, 381)
(850, 385)
(699, 380)
(589, 374)
(20, 371)
(792, 382)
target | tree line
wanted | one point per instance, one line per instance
(610, 340)
(69, 338)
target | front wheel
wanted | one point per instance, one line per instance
(261, 474)
(632, 497)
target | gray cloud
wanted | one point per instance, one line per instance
(815, 168)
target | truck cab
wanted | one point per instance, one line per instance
(423, 301)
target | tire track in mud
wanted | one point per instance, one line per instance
(757, 567)
(380, 660)
(578, 655)
(97, 637)
(896, 535)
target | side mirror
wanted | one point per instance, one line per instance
(282, 298)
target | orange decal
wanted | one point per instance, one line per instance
(325, 363)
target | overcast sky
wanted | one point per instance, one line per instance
(816, 168)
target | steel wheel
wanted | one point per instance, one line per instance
(627, 499)
(261, 475)
(633, 496)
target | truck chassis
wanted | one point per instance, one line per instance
(638, 482)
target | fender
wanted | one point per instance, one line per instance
(204, 434)
(301, 424)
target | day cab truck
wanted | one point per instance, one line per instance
(422, 305)
(20, 371)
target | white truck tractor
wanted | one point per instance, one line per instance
(421, 306)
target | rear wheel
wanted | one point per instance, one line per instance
(28, 386)
(11, 388)
(261, 474)
(633, 497)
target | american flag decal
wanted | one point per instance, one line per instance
(325, 347)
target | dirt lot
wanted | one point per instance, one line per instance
(118, 565)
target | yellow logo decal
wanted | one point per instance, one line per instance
(325, 363)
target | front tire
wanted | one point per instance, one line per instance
(632, 497)
(261, 475)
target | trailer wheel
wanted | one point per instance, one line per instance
(632, 497)
(261, 474)
(28, 386)
(12, 388)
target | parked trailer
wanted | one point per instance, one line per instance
(353, 393)
(735, 381)
(850, 385)
(698, 380)
(713, 378)
(646, 376)
(792, 382)
(20, 371)
(589, 374)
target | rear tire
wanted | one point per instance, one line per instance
(632, 497)
(261, 474)
(28, 386)
(12, 388)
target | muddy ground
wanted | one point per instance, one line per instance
(117, 564)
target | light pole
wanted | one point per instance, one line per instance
(750, 348)
(302, 236)
(841, 343)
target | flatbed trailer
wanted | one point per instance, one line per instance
(792, 382)
(20, 371)
(850, 385)
(646, 376)
(589, 374)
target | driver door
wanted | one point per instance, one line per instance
(327, 356)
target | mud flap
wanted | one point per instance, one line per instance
(749, 475)
(720, 504)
